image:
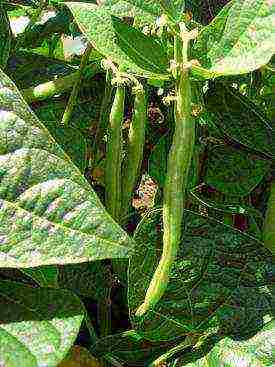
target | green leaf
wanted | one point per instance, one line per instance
(144, 51)
(158, 159)
(87, 279)
(38, 325)
(269, 221)
(174, 8)
(240, 39)
(216, 284)
(234, 172)
(231, 109)
(130, 348)
(45, 276)
(150, 6)
(253, 215)
(69, 138)
(255, 351)
(84, 112)
(96, 23)
(24, 64)
(5, 38)
(49, 214)
(126, 9)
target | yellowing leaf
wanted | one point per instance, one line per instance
(80, 357)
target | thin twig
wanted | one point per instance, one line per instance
(73, 97)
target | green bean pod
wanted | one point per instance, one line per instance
(113, 155)
(135, 145)
(179, 160)
(269, 223)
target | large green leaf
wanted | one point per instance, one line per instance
(127, 9)
(49, 214)
(38, 325)
(255, 351)
(174, 8)
(96, 23)
(151, 6)
(217, 282)
(70, 139)
(5, 36)
(240, 39)
(87, 279)
(239, 118)
(144, 51)
(233, 171)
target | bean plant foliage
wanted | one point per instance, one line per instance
(136, 183)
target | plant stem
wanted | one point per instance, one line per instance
(135, 145)
(269, 223)
(90, 327)
(113, 155)
(53, 87)
(179, 160)
(104, 314)
(73, 97)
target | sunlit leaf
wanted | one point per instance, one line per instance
(38, 325)
(254, 351)
(240, 39)
(96, 23)
(49, 214)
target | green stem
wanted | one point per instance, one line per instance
(113, 155)
(228, 218)
(104, 314)
(90, 327)
(269, 223)
(53, 87)
(135, 145)
(73, 97)
(179, 160)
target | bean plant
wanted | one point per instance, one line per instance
(136, 183)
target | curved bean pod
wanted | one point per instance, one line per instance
(179, 160)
